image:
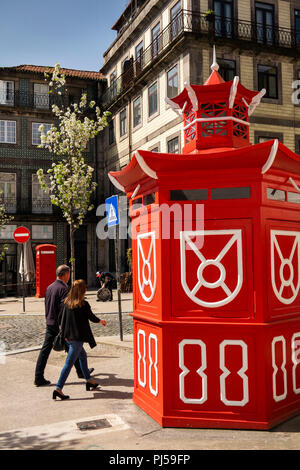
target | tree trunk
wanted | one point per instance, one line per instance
(72, 249)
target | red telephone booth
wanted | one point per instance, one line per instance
(45, 268)
(216, 257)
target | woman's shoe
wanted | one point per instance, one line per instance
(89, 386)
(59, 395)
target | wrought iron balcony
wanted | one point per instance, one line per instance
(252, 33)
(38, 101)
(42, 206)
(10, 204)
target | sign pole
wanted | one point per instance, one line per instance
(112, 209)
(22, 235)
(23, 277)
(118, 281)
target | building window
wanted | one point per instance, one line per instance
(152, 99)
(172, 82)
(224, 18)
(227, 69)
(111, 132)
(123, 64)
(139, 56)
(175, 18)
(123, 122)
(156, 40)
(41, 202)
(41, 96)
(42, 232)
(8, 191)
(8, 132)
(268, 79)
(7, 92)
(113, 84)
(7, 232)
(137, 112)
(36, 134)
(297, 28)
(264, 16)
(173, 145)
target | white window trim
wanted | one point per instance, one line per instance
(141, 105)
(39, 124)
(5, 131)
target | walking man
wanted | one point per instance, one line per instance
(54, 298)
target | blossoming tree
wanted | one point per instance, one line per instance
(71, 182)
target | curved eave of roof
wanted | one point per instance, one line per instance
(218, 92)
(264, 157)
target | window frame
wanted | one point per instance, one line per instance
(45, 197)
(172, 139)
(32, 132)
(122, 134)
(154, 113)
(156, 40)
(37, 94)
(8, 102)
(6, 133)
(5, 196)
(135, 126)
(267, 75)
(226, 69)
(172, 78)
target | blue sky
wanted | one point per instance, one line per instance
(74, 33)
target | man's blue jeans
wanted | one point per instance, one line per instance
(76, 351)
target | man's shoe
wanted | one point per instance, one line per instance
(41, 382)
(80, 376)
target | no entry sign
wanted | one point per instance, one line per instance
(21, 234)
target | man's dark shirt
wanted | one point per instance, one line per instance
(54, 297)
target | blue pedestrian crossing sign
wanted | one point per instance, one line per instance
(112, 211)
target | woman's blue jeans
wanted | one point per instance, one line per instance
(76, 351)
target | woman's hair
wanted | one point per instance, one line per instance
(75, 297)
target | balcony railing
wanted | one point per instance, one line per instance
(191, 22)
(42, 206)
(10, 204)
(20, 99)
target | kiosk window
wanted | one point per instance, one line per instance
(231, 193)
(293, 197)
(275, 194)
(188, 194)
(149, 199)
(136, 203)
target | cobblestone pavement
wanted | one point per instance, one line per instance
(18, 332)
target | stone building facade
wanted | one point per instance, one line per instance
(163, 44)
(24, 104)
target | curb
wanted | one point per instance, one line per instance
(20, 351)
(112, 341)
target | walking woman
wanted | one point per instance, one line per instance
(76, 330)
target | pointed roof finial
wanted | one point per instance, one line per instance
(214, 65)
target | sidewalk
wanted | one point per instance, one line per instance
(35, 306)
(30, 419)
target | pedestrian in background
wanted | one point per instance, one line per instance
(76, 330)
(54, 298)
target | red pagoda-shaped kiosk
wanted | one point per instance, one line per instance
(216, 296)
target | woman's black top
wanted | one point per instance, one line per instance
(75, 324)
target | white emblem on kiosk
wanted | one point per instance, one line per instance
(284, 286)
(146, 265)
(221, 282)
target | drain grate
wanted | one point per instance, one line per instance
(95, 424)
